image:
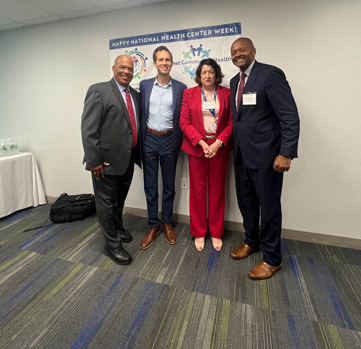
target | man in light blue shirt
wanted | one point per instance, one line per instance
(161, 140)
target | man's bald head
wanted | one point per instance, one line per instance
(243, 53)
(123, 70)
(122, 57)
(245, 41)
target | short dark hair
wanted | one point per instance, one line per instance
(161, 48)
(214, 65)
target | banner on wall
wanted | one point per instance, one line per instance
(188, 48)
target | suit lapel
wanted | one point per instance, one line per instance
(250, 82)
(175, 88)
(136, 104)
(198, 100)
(148, 91)
(221, 99)
(234, 86)
(252, 78)
(121, 100)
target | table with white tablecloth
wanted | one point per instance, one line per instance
(20, 183)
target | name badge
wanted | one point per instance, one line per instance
(209, 105)
(250, 98)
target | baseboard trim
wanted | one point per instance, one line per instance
(332, 240)
(50, 199)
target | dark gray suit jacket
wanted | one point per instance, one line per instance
(106, 130)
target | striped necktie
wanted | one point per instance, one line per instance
(240, 89)
(131, 117)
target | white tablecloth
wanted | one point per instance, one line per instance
(20, 183)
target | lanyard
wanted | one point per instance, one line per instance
(213, 111)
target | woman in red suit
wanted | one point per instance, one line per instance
(206, 122)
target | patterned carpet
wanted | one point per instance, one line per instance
(58, 290)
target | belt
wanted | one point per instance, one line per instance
(209, 136)
(159, 133)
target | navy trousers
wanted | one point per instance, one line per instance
(259, 200)
(159, 150)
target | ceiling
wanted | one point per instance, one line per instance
(21, 13)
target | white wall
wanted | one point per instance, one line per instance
(45, 71)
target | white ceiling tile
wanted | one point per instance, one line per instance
(106, 2)
(20, 10)
(5, 20)
(125, 4)
(13, 25)
(61, 6)
(88, 12)
(30, 12)
(41, 20)
(156, 1)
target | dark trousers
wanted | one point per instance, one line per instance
(110, 194)
(159, 150)
(259, 197)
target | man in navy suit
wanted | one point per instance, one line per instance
(161, 139)
(265, 132)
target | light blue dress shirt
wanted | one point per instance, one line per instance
(160, 115)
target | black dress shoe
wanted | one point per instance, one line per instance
(125, 235)
(119, 255)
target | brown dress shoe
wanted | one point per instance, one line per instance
(242, 251)
(170, 233)
(149, 237)
(263, 271)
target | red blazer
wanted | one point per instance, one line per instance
(191, 121)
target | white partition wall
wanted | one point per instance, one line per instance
(46, 69)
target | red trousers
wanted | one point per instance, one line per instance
(213, 171)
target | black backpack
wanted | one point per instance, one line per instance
(69, 208)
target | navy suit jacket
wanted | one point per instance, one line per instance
(271, 126)
(177, 89)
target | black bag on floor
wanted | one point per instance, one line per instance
(69, 208)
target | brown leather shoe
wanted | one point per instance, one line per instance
(170, 233)
(242, 251)
(263, 271)
(149, 237)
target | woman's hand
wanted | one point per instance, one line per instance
(206, 148)
(214, 148)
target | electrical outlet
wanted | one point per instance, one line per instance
(184, 183)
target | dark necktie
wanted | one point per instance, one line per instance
(240, 89)
(131, 117)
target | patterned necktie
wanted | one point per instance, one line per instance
(240, 89)
(131, 117)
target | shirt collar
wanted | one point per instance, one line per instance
(248, 70)
(165, 86)
(121, 88)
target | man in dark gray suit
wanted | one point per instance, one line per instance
(111, 146)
